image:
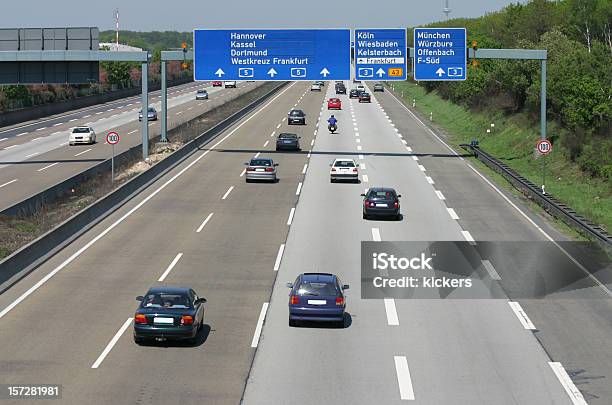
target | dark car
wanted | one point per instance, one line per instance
(169, 313)
(364, 97)
(288, 142)
(381, 202)
(317, 297)
(379, 87)
(340, 89)
(296, 117)
(354, 93)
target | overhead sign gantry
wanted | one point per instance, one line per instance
(380, 54)
(440, 54)
(272, 54)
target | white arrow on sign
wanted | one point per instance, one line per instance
(272, 72)
(380, 72)
(440, 72)
(219, 72)
(324, 72)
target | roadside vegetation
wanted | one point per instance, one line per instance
(113, 75)
(578, 37)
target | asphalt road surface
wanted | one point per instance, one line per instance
(36, 155)
(237, 243)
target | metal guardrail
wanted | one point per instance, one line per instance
(549, 203)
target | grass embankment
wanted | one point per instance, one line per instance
(512, 141)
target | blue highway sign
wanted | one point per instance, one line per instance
(380, 54)
(305, 54)
(440, 54)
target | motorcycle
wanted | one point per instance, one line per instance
(332, 128)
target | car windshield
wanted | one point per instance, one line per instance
(82, 130)
(344, 163)
(314, 289)
(261, 162)
(165, 300)
(296, 113)
(381, 195)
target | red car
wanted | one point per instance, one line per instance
(334, 104)
(217, 84)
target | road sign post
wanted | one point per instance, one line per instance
(273, 54)
(380, 54)
(544, 147)
(440, 54)
(112, 138)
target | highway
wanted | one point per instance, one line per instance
(36, 155)
(237, 244)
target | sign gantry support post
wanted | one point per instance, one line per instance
(145, 109)
(164, 103)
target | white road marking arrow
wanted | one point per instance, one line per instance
(440, 72)
(272, 72)
(380, 72)
(324, 72)
(219, 72)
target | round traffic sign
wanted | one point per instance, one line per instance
(544, 146)
(112, 138)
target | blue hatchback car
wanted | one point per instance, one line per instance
(317, 297)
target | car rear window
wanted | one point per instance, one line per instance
(297, 113)
(380, 195)
(315, 289)
(83, 130)
(151, 109)
(164, 300)
(287, 136)
(344, 163)
(260, 162)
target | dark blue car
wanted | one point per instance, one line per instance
(317, 297)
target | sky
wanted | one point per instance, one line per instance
(185, 15)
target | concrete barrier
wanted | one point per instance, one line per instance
(25, 260)
(46, 110)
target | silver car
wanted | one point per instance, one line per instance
(151, 114)
(201, 94)
(261, 169)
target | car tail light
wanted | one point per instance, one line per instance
(187, 320)
(250, 169)
(295, 300)
(354, 170)
(333, 169)
(396, 205)
(367, 203)
(140, 319)
(339, 300)
(269, 169)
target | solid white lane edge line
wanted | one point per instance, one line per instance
(468, 237)
(7, 183)
(131, 211)
(260, 321)
(279, 257)
(403, 378)
(48, 166)
(80, 153)
(291, 214)
(376, 235)
(204, 223)
(229, 190)
(170, 267)
(490, 269)
(299, 188)
(364, 178)
(567, 383)
(452, 213)
(112, 343)
(304, 169)
(521, 315)
(429, 180)
(440, 195)
(392, 319)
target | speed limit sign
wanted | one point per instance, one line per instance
(112, 138)
(544, 146)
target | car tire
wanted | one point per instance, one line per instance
(293, 323)
(247, 180)
(365, 216)
(139, 341)
(332, 180)
(398, 217)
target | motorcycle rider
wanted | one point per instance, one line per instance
(333, 122)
